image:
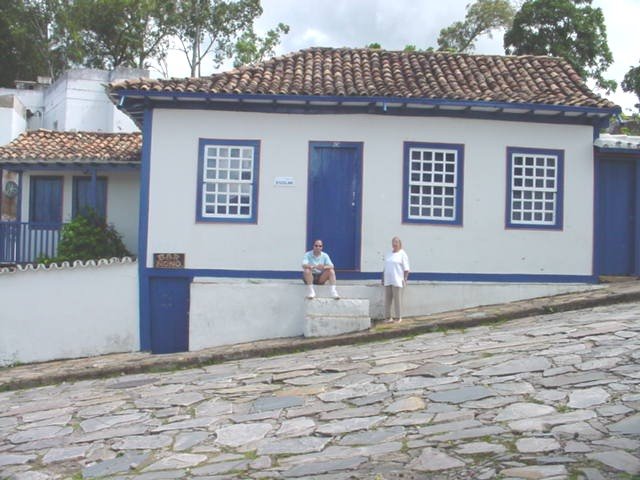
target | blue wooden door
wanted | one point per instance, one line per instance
(85, 198)
(334, 201)
(45, 200)
(169, 314)
(616, 217)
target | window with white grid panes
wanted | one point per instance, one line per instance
(228, 181)
(433, 181)
(534, 185)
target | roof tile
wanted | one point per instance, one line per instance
(346, 72)
(76, 147)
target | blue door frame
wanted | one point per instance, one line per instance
(334, 200)
(617, 233)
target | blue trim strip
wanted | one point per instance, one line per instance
(135, 111)
(19, 205)
(597, 241)
(131, 94)
(78, 167)
(342, 276)
(635, 152)
(143, 232)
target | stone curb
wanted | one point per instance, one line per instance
(40, 374)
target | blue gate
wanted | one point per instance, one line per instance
(334, 200)
(169, 314)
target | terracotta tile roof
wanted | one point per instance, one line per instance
(46, 146)
(347, 72)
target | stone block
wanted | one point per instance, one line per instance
(326, 316)
(344, 307)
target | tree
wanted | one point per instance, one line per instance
(482, 17)
(34, 39)
(221, 28)
(631, 82)
(250, 48)
(125, 33)
(571, 29)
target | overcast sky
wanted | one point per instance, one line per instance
(396, 23)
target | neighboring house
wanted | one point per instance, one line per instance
(483, 165)
(49, 177)
(618, 200)
(74, 102)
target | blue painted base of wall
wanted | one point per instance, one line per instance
(423, 276)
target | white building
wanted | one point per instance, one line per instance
(483, 165)
(76, 101)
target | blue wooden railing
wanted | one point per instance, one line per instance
(23, 242)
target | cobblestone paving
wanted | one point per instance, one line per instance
(550, 397)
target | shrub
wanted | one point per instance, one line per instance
(88, 237)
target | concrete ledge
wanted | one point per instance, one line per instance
(325, 317)
(349, 307)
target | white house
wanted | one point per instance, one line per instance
(73, 102)
(483, 165)
(51, 176)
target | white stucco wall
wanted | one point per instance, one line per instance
(123, 193)
(277, 241)
(227, 311)
(69, 312)
(13, 119)
(78, 101)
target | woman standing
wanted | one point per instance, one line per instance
(394, 279)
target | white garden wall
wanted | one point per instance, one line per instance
(68, 312)
(227, 311)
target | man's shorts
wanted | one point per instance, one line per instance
(316, 278)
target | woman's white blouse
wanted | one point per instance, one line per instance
(395, 264)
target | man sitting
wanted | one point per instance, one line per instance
(317, 269)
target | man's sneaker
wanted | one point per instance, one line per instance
(311, 293)
(335, 294)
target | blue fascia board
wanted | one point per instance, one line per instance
(419, 276)
(617, 151)
(259, 98)
(23, 167)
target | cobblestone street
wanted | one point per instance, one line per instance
(549, 397)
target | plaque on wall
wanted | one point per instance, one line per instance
(168, 260)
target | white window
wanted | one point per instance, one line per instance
(228, 180)
(535, 183)
(433, 183)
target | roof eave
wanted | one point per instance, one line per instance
(129, 101)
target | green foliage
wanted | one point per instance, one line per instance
(47, 37)
(126, 33)
(571, 29)
(374, 46)
(483, 16)
(250, 48)
(221, 28)
(88, 237)
(631, 82)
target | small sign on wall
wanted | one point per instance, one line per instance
(284, 182)
(168, 260)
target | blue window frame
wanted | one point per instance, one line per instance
(432, 183)
(228, 175)
(45, 199)
(535, 179)
(83, 196)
